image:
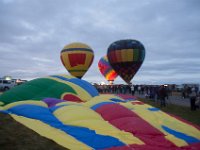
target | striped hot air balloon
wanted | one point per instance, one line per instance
(77, 58)
(126, 57)
(106, 69)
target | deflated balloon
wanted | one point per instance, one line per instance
(77, 58)
(106, 69)
(73, 114)
(126, 57)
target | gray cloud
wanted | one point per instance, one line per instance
(34, 32)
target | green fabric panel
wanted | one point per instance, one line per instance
(135, 55)
(36, 89)
(142, 55)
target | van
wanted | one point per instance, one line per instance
(6, 84)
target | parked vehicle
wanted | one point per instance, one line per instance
(6, 84)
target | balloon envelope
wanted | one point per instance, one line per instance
(126, 57)
(77, 58)
(106, 69)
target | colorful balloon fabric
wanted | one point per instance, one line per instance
(106, 69)
(126, 57)
(55, 86)
(93, 121)
(77, 58)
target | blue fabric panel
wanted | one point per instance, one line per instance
(83, 84)
(117, 100)
(187, 138)
(130, 99)
(101, 104)
(85, 135)
(34, 112)
(4, 111)
(153, 109)
(79, 49)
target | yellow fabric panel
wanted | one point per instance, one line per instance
(127, 55)
(159, 118)
(85, 96)
(68, 103)
(118, 56)
(127, 105)
(77, 74)
(76, 45)
(1, 108)
(49, 132)
(65, 60)
(100, 98)
(1, 103)
(89, 57)
(173, 123)
(104, 128)
(66, 76)
(39, 103)
(90, 119)
(75, 112)
(107, 97)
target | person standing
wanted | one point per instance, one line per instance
(162, 94)
(132, 89)
(193, 96)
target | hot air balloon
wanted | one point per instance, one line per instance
(106, 69)
(126, 57)
(77, 58)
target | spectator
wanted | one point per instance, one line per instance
(197, 103)
(132, 89)
(162, 93)
(193, 97)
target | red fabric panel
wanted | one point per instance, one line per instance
(76, 59)
(151, 147)
(120, 148)
(195, 146)
(143, 147)
(126, 120)
(136, 125)
(113, 58)
(156, 142)
(137, 103)
(114, 111)
(73, 98)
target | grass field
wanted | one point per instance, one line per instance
(180, 111)
(15, 136)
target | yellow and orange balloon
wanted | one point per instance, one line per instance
(77, 58)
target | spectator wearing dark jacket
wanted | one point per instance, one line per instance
(162, 94)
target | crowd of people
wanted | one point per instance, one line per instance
(151, 92)
(154, 92)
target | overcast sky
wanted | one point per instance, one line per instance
(33, 32)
